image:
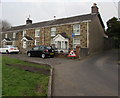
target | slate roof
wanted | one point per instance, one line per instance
(28, 37)
(56, 22)
(64, 35)
(7, 39)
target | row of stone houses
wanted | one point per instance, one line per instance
(86, 31)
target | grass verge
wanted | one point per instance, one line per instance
(17, 82)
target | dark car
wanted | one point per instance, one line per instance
(41, 51)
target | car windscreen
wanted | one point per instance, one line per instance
(13, 47)
(48, 47)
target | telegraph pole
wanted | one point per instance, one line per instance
(119, 38)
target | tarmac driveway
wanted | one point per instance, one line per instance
(50, 61)
(94, 76)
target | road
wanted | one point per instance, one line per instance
(94, 76)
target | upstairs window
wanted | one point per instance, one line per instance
(76, 29)
(24, 33)
(37, 32)
(53, 31)
(6, 36)
(14, 35)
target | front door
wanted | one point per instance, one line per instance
(24, 44)
(59, 44)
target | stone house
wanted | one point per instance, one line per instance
(86, 31)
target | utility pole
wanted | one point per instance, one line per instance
(119, 11)
(119, 38)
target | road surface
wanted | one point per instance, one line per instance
(94, 76)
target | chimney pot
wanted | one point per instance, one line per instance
(94, 4)
(94, 8)
(54, 17)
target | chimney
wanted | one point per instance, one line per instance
(94, 8)
(28, 21)
(54, 17)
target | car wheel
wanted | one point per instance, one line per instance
(7, 52)
(43, 56)
(29, 54)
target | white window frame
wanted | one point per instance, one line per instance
(53, 31)
(24, 44)
(13, 43)
(37, 32)
(14, 35)
(76, 29)
(4, 43)
(6, 35)
(24, 33)
(52, 41)
(36, 42)
(76, 43)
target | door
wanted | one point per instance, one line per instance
(35, 51)
(41, 50)
(59, 44)
(24, 44)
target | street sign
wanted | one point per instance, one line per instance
(73, 35)
(72, 54)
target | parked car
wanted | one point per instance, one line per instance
(9, 49)
(41, 51)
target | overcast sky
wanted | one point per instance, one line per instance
(17, 11)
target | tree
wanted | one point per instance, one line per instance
(113, 31)
(4, 25)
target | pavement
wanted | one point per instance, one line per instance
(96, 75)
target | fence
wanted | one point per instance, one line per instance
(84, 52)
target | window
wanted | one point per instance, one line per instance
(13, 43)
(36, 42)
(5, 35)
(52, 41)
(3, 44)
(42, 47)
(59, 44)
(24, 33)
(37, 33)
(48, 47)
(14, 35)
(24, 44)
(53, 31)
(36, 48)
(76, 29)
(76, 42)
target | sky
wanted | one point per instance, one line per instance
(17, 11)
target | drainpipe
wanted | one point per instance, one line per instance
(87, 34)
(43, 36)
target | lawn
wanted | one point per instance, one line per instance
(18, 82)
